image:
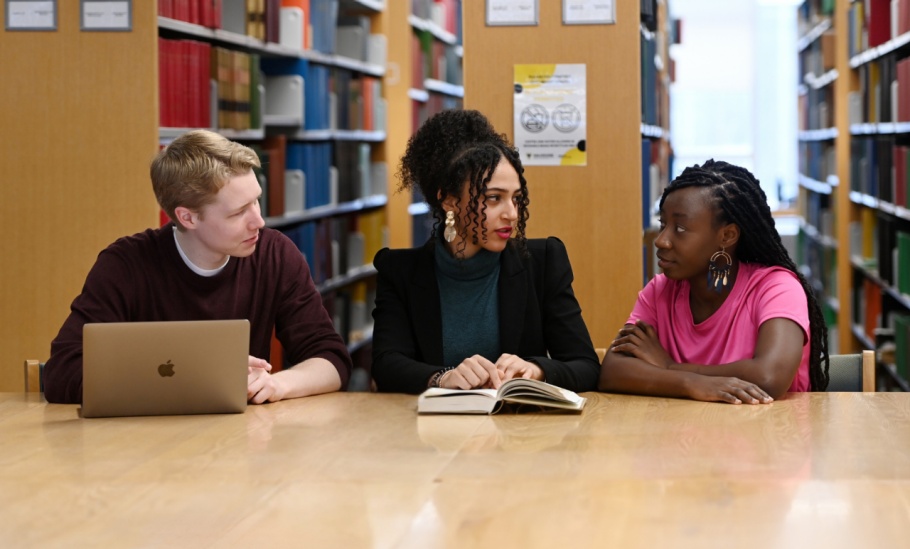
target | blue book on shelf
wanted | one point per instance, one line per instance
(646, 197)
(317, 94)
(324, 22)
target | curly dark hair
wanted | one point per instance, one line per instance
(738, 198)
(454, 148)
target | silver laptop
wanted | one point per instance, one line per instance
(164, 368)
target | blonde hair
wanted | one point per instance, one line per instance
(194, 167)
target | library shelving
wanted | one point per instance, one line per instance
(658, 33)
(300, 81)
(426, 79)
(596, 209)
(853, 174)
(94, 107)
(819, 142)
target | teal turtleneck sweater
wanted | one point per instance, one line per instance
(469, 299)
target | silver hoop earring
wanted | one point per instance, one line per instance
(449, 233)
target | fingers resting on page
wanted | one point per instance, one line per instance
(511, 366)
(473, 372)
(476, 371)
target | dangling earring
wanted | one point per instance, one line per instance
(718, 276)
(449, 233)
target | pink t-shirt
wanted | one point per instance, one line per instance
(759, 293)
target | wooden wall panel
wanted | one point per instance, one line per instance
(399, 116)
(79, 119)
(596, 209)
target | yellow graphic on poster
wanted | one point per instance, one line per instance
(550, 109)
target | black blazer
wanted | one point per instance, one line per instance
(539, 317)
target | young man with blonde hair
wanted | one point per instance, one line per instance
(215, 260)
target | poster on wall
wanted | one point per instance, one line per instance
(512, 12)
(31, 16)
(588, 12)
(550, 110)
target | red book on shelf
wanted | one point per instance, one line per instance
(878, 21)
(903, 16)
(276, 146)
(193, 8)
(216, 14)
(272, 20)
(204, 54)
(368, 89)
(162, 82)
(873, 295)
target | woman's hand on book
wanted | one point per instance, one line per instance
(473, 372)
(511, 366)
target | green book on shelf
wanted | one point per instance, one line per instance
(903, 262)
(255, 95)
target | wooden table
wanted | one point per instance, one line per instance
(363, 470)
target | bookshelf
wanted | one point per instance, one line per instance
(81, 179)
(856, 237)
(595, 209)
(307, 88)
(427, 78)
(658, 32)
(821, 138)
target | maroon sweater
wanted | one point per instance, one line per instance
(143, 278)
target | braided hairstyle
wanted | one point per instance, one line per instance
(457, 147)
(739, 199)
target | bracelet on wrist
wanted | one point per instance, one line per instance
(437, 376)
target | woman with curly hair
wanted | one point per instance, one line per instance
(731, 319)
(479, 303)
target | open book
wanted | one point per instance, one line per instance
(489, 401)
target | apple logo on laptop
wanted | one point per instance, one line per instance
(166, 369)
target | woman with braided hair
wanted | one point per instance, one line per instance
(478, 304)
(730, 319)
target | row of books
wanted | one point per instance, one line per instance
(817, 210)
(811, 12)
(878, 315)
(351, 310)
(336, 246)
(817, 159)
(434, 59)
(445, 14)
(881, 244)
(873, 22)
(296, 177)
(650, 83)
(324, 97)
(878, 168)
(320, 25)
(820, 260)
(819, 57)
(199, 12)
(879, 98)
(204, 86)
(816, 108)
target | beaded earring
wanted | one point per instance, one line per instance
(718, 275)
